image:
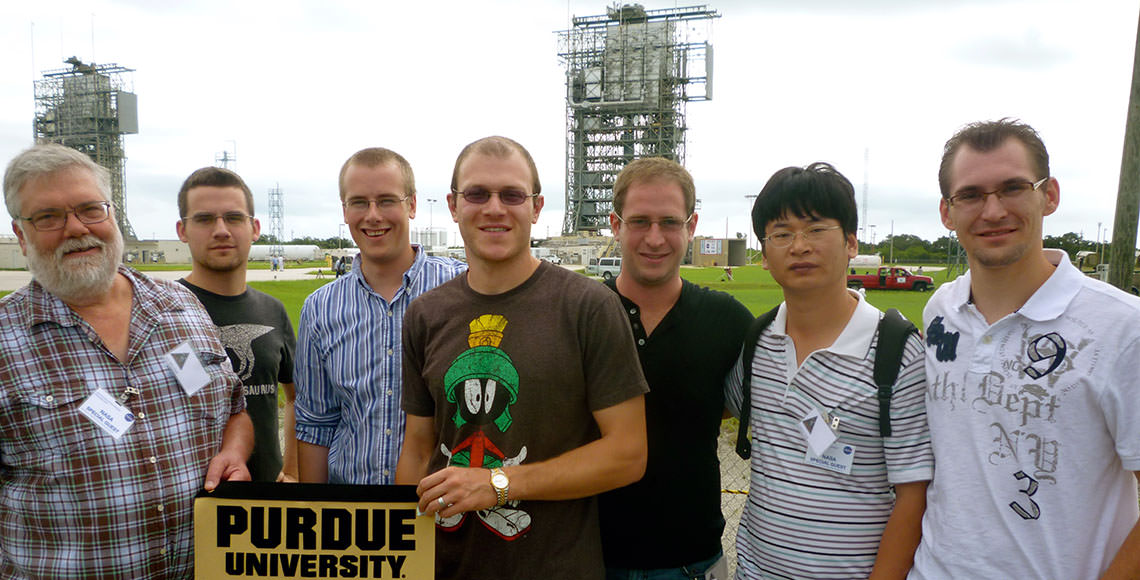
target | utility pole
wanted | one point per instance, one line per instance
(1123, 250)
(748, 244)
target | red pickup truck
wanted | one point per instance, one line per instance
(891, 279)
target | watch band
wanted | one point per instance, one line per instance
(500, 491)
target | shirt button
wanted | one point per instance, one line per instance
(987, 339)
(389, 351)
(389, 313)
(142, 415)
(49, 398)
(387, 431)
(641, 342)
(386, 472)
(162, 551)
(153, 459)
(160, 507)
(633, 311)
(389, 392)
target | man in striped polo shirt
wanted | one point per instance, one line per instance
(348, 370)
(830, 497)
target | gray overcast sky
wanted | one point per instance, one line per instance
(300, 85)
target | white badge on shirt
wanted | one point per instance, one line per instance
(838, 458)
(187, 368)
(113, 418)
(817, 431)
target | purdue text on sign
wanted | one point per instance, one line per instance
(267, 530)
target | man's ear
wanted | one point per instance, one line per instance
(20, 237)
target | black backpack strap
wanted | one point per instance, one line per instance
(743, 445)
(894, 329)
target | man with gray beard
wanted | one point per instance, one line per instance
(117, 401)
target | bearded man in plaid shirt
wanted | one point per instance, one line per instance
(117, 401)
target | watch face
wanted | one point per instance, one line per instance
(500, 480)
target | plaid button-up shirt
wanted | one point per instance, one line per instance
(74, 501)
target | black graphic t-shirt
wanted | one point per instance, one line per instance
(258, 337)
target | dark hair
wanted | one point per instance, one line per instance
(649, 169)
(500, 148)
(375, 157)
(983, 136)
(815, 191)
(212, 177)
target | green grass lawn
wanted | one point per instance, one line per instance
(753, 286)
(291, 293)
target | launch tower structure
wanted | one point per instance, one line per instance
(89, 107)
(629, 74)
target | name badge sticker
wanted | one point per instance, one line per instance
(187, 368)
(113, 418)
(819, 435)
(838, 458)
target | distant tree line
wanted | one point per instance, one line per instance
(909, 248)
(325, 243)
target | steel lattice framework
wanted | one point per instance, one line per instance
(277, 220)
(629, 75)
(89, 108)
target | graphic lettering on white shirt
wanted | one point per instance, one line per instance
(1024, 394)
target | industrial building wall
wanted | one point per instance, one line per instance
(11, 258)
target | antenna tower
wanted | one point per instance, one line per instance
(629, 74)
(277, 220)
(226, 160)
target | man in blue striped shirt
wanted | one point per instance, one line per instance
(348, 370)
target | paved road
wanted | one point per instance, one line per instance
(15, 279)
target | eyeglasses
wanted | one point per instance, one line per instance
(812, 235)
(509, 196)
(207, 220)
(666, 224)
(360, 205)
(54, 218)
(973, 198)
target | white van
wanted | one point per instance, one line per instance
(605, 267)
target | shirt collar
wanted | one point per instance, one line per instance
(410, 274)
(1051, 299)
(855, 340)
(44, 306)
(1047, 302)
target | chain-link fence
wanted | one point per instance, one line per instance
(734, 489)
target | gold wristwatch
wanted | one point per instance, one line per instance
(501, 484)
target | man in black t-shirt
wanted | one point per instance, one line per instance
(688, 338)
(218, 225)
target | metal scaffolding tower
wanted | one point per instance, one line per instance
(89, 108)
(277, 220)
(629, 74)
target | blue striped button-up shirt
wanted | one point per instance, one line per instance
(348, 370)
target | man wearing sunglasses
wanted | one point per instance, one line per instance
(1034, 401)
(218, 227)
(116, 398)
(521, 400)
(688, 338)
(349, 423)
